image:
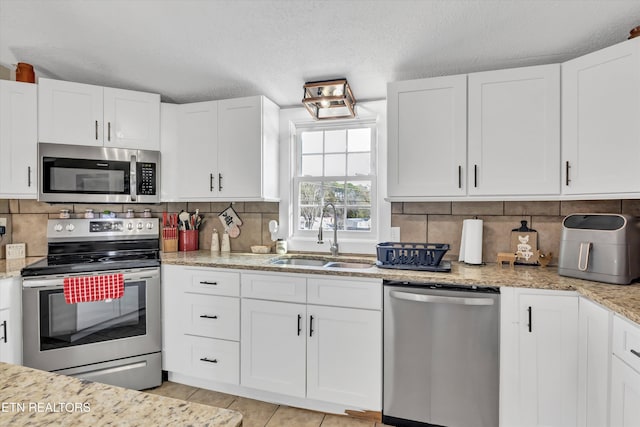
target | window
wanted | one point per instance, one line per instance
(335, 164)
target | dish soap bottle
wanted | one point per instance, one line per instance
(225, 246)
(215, 242)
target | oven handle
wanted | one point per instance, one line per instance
(46, 283)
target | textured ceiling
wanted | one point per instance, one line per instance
(195, 50)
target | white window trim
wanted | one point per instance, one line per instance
(292, 118)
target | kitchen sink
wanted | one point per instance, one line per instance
(322, 263)
(348, 265)
(300, 261)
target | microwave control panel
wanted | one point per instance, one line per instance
(146, 179)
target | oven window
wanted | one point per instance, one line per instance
(85, 176)
(66, 325)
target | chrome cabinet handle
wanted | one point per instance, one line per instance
(206, 316)
(440, 299)
(4, 333)
(28, 176)
(206, 359)
(566, 173)
(204, 282)
(219, 182)
(211, 183)
(96, 130)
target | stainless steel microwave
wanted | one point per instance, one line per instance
(85, 174)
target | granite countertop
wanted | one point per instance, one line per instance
(11, 267)
(622, 299)
(38, 398)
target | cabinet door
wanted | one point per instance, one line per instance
(272, 346)
(131, 119)
(514, 131)
(11, 321)
(594, 354)
(196, 176)
(625, 395)
(70, 113)
(600, 129)
(427, 137)
(240, 151)
(548, 359)
(18, 139)
(344, 356)
(174, 311)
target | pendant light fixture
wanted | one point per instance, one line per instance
(329, 99)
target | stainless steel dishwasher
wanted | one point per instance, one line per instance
(441, 355)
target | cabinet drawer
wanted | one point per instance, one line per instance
(208, 281)
(211, 359)
(274, 287)
(212, 316)
(356, 293)
(626, 341)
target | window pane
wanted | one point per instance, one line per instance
(334, 164)
(359, 193)
(359, 139)
(358, 219)
(334, 193)
(311, 165)
(310, 198)
(311, 142)
(335, 141)
(359, 164)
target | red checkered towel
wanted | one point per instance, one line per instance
(93, 288)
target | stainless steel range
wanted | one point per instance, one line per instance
(114, 340)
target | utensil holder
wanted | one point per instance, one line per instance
(188, 240)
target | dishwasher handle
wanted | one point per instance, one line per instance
(440, 299)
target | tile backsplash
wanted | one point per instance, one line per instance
(27, 221)
(441, 222)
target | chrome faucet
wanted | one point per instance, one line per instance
(334, 245)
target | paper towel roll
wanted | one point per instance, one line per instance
(471, 242)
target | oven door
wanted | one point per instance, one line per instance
(59, 336)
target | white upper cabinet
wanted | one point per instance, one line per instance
(514, 132)
(132, 119)
(427, 137)
(82, 114)
(600, 129)
(18, 139)
(224, 150)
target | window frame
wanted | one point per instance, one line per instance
(343, 235)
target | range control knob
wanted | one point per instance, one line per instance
(70, 227)
(140, 226)
(149, 225)
(58, 227)
(130, 226)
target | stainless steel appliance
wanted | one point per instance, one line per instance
(441, 355)
(600, 247)
(76, 173)
(115, 341)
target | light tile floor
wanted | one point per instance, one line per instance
(256, 413)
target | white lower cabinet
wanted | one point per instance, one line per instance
(625, 374)
(201, 323)
(273, 346)
(539, 358)
(318, 351)
(11, 320)
(594, 356)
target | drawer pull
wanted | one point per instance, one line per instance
(206, 359)
(635, 353)
(204, 282)
(4, 327)
(206, 316)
